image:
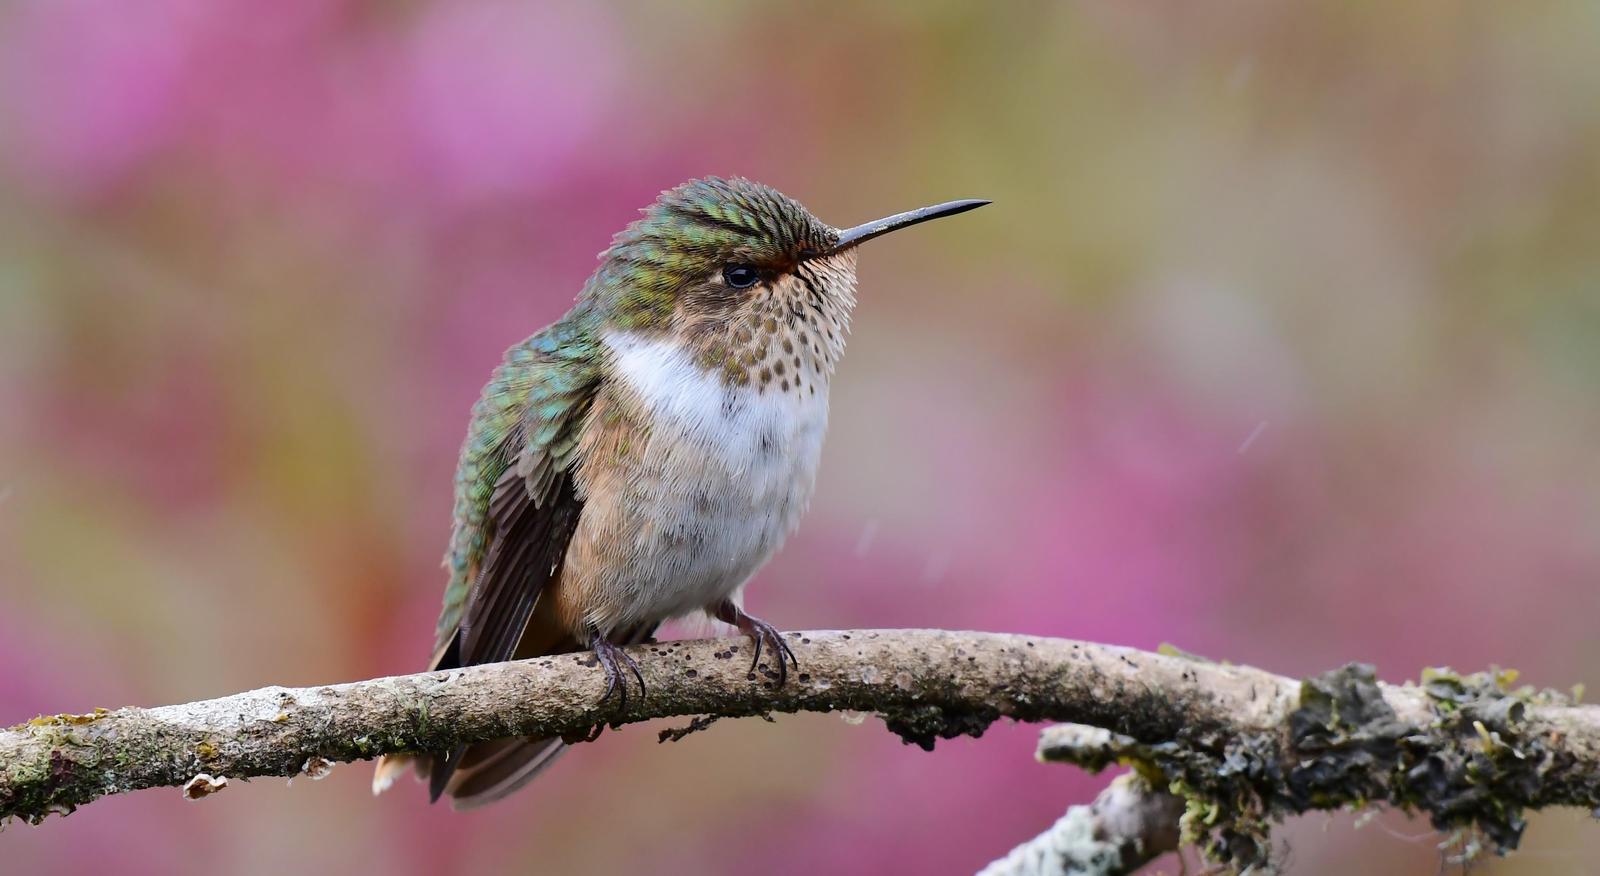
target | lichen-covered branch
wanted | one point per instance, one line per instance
(1240, 746)
(1128, 825)
(1131, 823)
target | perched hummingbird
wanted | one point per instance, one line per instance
(642, 457)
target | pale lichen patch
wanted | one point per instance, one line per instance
(316, 769)
(204, 785)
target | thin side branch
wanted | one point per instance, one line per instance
(1128, 825)
(1241, 746)
(1131, 823)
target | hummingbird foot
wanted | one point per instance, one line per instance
(613, 658)
(763, 634)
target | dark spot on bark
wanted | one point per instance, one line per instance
(61, 767)
(922, 726)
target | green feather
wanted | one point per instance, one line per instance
(536, 398)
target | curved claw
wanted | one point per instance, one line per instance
(762, 633)
(612, 658)
(766, 634)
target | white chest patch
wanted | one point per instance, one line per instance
(725, 475)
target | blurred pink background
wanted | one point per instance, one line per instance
(1279, 343)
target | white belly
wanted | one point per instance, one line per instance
(724, 477)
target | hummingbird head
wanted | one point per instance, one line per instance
(745, 276)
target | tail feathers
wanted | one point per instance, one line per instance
(391, 767)
(492, 770)
(481, 773)
(487, 771)
(486, 766)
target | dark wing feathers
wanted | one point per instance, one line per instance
(517, 504)
(526, 422)
(525, 552)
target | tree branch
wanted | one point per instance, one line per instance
(1242, 747)
(1131, 823)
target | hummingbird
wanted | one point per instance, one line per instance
(640, 458)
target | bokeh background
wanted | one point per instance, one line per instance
(1280, 343)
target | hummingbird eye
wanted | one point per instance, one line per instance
(740, 276)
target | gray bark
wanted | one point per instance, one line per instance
(1239, 746)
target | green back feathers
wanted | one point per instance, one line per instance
(527, 416)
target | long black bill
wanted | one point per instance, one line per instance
(878, 227)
